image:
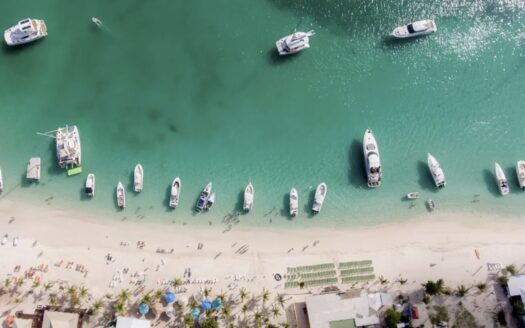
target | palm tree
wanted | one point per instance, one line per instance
(158, 295)
(402, 281)
(123, 296)
(7, 282)
(83, 292)
(19, 282)
(481, 287)
(47, 286)
(265, 296)
(511, 268)
(206, 292)
(176, 283)
(462, 291)
(188, 321)
(96, 307)
(243, 294)
(244, 309)
(275, 312)
(257, 318)
(226, 312)
(147, 299)
(222, 297)
(280, 300)
(120, 308)
(383, 280)
(72, 292)
(53, 299)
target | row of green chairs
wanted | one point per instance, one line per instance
(317, 267)
(318, 274)
(319, 282)
(349, 272)
(355, 264)
(357, 278)
(291, 284)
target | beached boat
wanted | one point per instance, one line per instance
(436, 171)
(248, 197)
(294, 43)
(503, 185)
(25, 31)
(33, 169)
(203, 198)
(431, 205)
(97, 21)
(210, 201)
(419, 28)
(90, 185)
(294, 202)
(121, 195)
(372, 160)
(175, 193)
(138, 178)
(520, 171)
(69, 152)
(320, 194)
(1, 181)
(413, 195)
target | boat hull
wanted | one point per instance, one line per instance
(175, 193)
(294, 203)
(503, 184)
(320, 195)
(372, 160)
(90, 185)
(248, 198)
(436, 171)
(138, 178)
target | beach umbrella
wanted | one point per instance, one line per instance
(169, 297)
(205, 305)
(216, 304)
(195, 313)
(143, 308)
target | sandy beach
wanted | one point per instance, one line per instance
(440, 246)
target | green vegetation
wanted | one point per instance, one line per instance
(511, 269)
(517, 306)
(440, 315)
(434, 288)
(210, 323)
(462, 290)
(464, 319)
(392, 318)
(481, 286)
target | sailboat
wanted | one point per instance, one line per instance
(175, 193)
(503, 185)
(138, 178)
(293, 43)
(248, 197)
(294, 202)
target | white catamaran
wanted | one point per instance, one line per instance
(320, 194)
(138, 178)
(503, 185)
(294, 43)
(68, 146)
(436, 171)
(248, 197)
(175, 193)
(372, 160)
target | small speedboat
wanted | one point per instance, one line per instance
(372, 160)
(25, 31)
(422, 27)
(294, 202)
(248, 197)
(503, 185)
(203, 198)
(121, 195)
(90, 185)
(97, 21)
(320, 194)
(413, 195)
(431, 205)
(138, 178)
(294, 43)
(175, 193)
(210, 201)
(520, 171)
(436, 171)
(1, 181)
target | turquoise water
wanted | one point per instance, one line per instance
(195, 89)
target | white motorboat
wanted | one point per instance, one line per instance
(1, 181)
(248, 197)
(520, 171)
(210, 201)
(436, 171)
(138, 178)
(294, 43)
(97, 21)
(203, 198)
(320, 194)
(121, 195)
(294, 202)
(25, 31)
(175, 193)
(33, 169)
(422, 27)
(431, 205)
(503, 185)
(68, 147)
(90, 185)
(413, 195)
(372, 160)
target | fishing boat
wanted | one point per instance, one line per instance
(138, 178)
(293, 43)
(372, 160)
(436, 171)
(503, 185)
(97, 21)
(294, 202)
(90, 185)
(320, 194)
(1, 181)
(25, 31)
(248, 197)
(210, 201)
(33, 169)
(175, 193)
(520, 171)
(203, 198)
(121, 195)
(419, 28)
(431, 205)
(413, 195)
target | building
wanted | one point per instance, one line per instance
(127, 322)
(53, 317)
(516, 290)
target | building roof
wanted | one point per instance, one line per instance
(23, 323)
(343, 324)
(516, 285)
(127, 322)
(54, 319)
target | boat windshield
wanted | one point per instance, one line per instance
(410, 29)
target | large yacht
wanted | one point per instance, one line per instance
(68, 147)
(436, 171)
(372, 160)
(422, 27)
(25, 31)
(294, 43)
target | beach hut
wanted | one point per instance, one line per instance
(205, 305)
(195, 313)
(169, 297)
(216, 304)
(143, 308)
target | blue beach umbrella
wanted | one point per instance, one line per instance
(216, 304)
(169, 297)
(205, 305)
(143, 308)
(195, 313)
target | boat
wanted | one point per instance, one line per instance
(372, 160)
(138, 178)
(33, 169)
(1, 181)
(248, 197)
(175, 193)
(90, 185)
(320, 194)
(203, 198)
(520, 171)
(413, 195)
(97, 21)
(436, 171)
(293, 43)
(25, 31)
(68, 148)
(419, 28)
(294, 202)
(121, 195)
(431, 205)
(503, 185)
(210, 201)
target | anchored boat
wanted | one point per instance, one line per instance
(372, 160)
(33, 169)
(138, 178)
(90, 185)
(294, 43)
(419, 28)
(121, 195)
(203, 198)
(503, 185)
(25, 31)
(210, 201)
(436, 171)
(294, 202)
(431, 205)
(520, 171)
(248, 197)
(413, 195)
(175, 193)
(320, 194)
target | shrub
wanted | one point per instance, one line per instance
(392, 318)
